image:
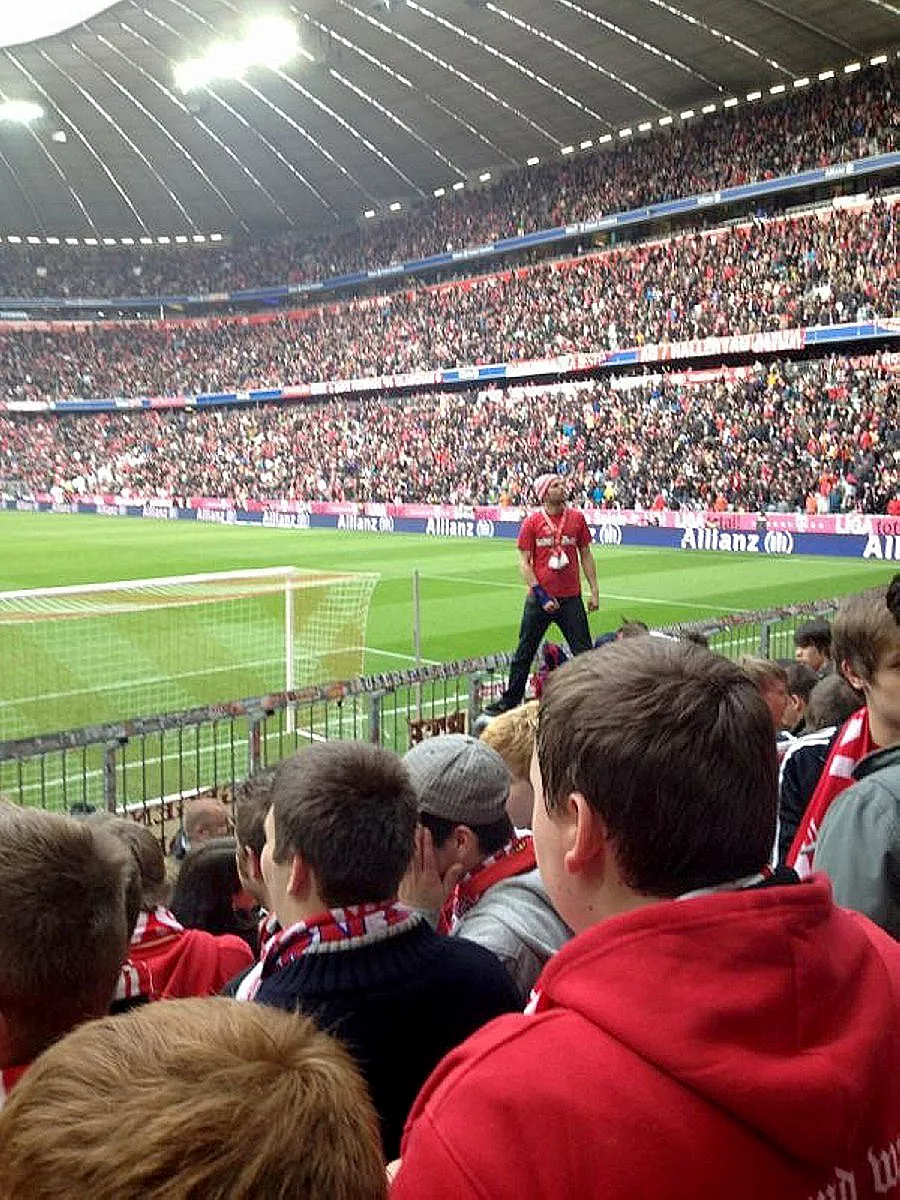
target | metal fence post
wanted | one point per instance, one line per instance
(254, 744)
(110, 758)
(374, 703)
(765, 631)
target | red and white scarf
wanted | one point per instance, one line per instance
(515, 858)
(337, 929)
(136, 977)
(249, 985)
(853, 742)
(9, 1077)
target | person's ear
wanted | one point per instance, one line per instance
(589, 838)
(855, 681)
(300, 878)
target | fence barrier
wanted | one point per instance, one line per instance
(147, 767)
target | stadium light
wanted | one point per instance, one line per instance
(708, 108)
(52, 241)
(109, 241)
(754, 96)
(14, 239)
(199, 237)
(776, 89)
(626, 132)
(270, 41)
(484, 177)
(59, 135)
(802, 82)
(731, 102)
(91, 241)
(645, 126)
(181, 238)
(71, 241)
(567, 150)
(586, 144)
(666, 120)
(851, 67)
(878, 60)
(215, 237)
(21, 112)
(458, 186)
(33, 240)
(533, 161)
(687, 114)
(164, 239)
(438, 192)
(823, 75)
(146, 241)
(395, 207)
(369, 214)
(126, 241)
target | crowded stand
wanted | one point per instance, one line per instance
(848, 118)
(814, 436)
(827, 267)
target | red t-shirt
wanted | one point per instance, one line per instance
(543, 536)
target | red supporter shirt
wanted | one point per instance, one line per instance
(543, 535)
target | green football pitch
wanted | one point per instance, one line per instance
(470, 592)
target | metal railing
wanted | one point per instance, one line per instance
(147, 767)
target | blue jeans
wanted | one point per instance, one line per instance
(570, 618)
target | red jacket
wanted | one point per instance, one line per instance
(735, 1045)
(191, 963)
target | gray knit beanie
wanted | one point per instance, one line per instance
(459, 778)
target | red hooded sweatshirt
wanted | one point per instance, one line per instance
(733, 1046)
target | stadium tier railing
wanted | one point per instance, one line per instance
(147, 767)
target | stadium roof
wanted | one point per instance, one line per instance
(390, 100)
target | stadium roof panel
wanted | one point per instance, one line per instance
(399, 99)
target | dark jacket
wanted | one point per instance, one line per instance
(399, 1005)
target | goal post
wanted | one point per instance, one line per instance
(109, 651)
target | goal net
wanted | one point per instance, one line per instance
(74, 656)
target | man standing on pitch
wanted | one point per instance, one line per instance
(552, 543)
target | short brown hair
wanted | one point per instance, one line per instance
(252, 801)
(831, 702)
(763, 671)
(864, 633)
(210, 1098)
(146, 851)
(350, 809)
(63, 924)
(672, 746)
(512, 735)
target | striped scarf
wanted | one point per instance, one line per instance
(515, 858)
(249, 985)
(336, 929)
(136, 977)
(853, 743)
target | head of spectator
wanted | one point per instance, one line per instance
(63, 929)
(892, 598)
(166, 960)
(812, 642)
(550, 490)
(801, 680)
(772, 681)
(82, 1124)
(463, 787)
(208, 893)
(867, 651)
(205, 817)
(146, 852)
(831, 702)
(339, 831)
(672, 786)
(512, 735)
(252, 800)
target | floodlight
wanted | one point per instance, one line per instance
(878, 60)
(270, 41)
(644, 126)
(687, 114)
(708, 108)
(754, 95)
(823, 75)
(14, 239)
(803, 81)
(626, 132)
(731, 102)
(395, 207)
(458, 186)
(666, 120)
(484, 176)
(851, 67)
(533, 161)
(369, 214)
(20, 111)
(607, 137)
(438, 192)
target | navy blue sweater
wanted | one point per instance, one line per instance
(399, 1005)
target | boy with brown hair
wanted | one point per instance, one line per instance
(192, 1098)
(63, 930)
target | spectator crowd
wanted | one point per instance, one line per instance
(849, 117)
(823, 268)
(814, 436)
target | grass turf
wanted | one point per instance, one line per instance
(471, 595)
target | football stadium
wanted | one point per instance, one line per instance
(449, 511)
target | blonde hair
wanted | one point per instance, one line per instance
(512, 736)
(188, 1098)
